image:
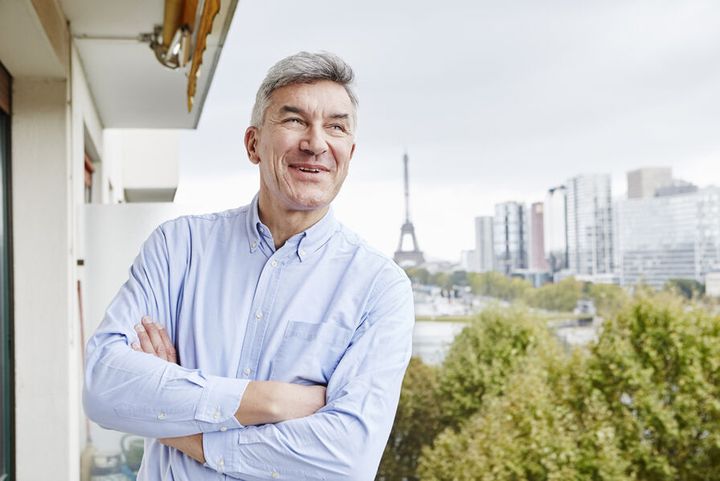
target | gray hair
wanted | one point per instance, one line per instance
(303, 67)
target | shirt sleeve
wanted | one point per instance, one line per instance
(140, 393)
(345, 439)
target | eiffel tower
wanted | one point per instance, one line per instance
(414, 257)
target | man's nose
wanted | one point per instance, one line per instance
(313, 142)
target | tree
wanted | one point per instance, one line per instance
(494, 284)
(609, 299)
(531, 431)
(657, 365)
(417, 422)
(688, 288)
(640, 405)
(419, 275)
(560, 296)
(481, 358)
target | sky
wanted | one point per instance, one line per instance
(492, 101)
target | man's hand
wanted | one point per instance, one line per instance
(154, 340)
(264, 402)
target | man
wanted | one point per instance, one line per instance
(273, 340)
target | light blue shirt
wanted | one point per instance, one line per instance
(323, 309)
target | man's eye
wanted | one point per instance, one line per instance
(338, 127)
(294, 120)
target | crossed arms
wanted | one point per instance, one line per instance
(245, 426)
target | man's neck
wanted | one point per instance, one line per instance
(283, 223)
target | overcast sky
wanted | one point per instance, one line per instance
(493, 101)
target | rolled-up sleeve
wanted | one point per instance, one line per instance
(139, 393)
(345, 439)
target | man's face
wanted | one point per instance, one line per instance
(304, 145)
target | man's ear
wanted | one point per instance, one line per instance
(251, 140)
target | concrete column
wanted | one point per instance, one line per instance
(46, 344)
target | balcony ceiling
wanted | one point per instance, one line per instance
(130, 87)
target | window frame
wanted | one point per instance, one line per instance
(7, 356)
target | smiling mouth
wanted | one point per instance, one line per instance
(308, 169)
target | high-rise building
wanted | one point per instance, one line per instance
(643, 183)
(555, 228)
(669, 237)
(510, 237)
(590, 225)
(485, 255)
(536, 241)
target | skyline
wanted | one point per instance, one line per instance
(492, 103)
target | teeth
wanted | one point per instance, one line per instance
(315, 171)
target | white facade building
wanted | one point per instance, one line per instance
(590, 225)
(510, 237)
(669, 237)
(484, 253)
(555, 228)
(645, 182)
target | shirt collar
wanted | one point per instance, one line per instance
(307, 242)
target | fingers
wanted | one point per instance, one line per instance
(154, 340)
(169, 348)
(145, 343)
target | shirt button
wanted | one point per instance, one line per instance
(258, 314)
(223, 429)
(275, 474)
(254, 244)
(273, 263)
(246, 371)
(302, 252)
(162, 415)
(216, 416)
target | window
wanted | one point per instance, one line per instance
(6, 356)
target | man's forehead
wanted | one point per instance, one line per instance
(325, 95)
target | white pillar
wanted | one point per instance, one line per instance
(46, 344)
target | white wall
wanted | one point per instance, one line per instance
(149, 158)
(46, 344)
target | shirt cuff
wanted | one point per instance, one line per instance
(220, 450)
(219, 402)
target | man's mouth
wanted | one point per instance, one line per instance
(309, 169)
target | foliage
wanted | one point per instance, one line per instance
(494, 284)
(418, 275)
(688, 288)
(658, 367)
(417, 422)
(642, 404)
(482, 357)
(609, 299)
(560, 296)
(532, 431)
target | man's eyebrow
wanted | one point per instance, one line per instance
(289, 109)
(340, 116)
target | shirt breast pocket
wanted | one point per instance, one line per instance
(309, 352)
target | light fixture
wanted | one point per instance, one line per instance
(177, 53)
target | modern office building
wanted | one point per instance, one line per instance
(536, 241)
(669, 237)
(644, 182)
(555, 228)
(510, 237)
(484, 252)
(590, 225)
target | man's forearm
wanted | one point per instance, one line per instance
(263, 402)
(190, 445)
